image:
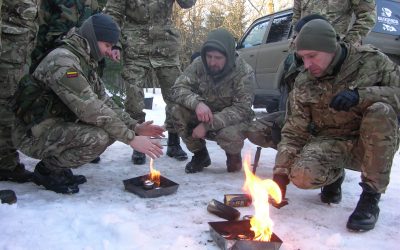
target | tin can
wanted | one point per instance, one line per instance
(237, 200)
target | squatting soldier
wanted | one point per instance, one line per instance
(265, 131)
(336, 106)
(56, 18)
(340, 14)
(64, 116)
(150, 46)
(18, 33)
(214, 97)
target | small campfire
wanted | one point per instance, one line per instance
(151, 185)
(255, 233)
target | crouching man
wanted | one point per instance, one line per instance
(214, 97)
(344, 108)
(65, 117)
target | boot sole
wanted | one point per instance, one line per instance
(359, 228)
(329, 201)
(66, 190)
(200, 169)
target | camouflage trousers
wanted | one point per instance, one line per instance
(136, 76)
(12, 62)
(323, 159)
(61, 144)
(230, 139)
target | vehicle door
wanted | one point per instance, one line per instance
(273, 52)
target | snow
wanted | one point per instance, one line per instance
(105, 216)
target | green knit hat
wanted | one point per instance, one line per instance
(317, 35)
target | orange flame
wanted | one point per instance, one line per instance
(260, 191)
(154, 175)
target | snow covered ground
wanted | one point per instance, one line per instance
(104, 216)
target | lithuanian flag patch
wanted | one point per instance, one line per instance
(72, 74)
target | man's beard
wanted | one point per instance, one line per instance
(214, 71)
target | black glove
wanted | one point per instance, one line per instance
(345, 100)
(282, 181)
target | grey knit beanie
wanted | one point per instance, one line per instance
(318, 35)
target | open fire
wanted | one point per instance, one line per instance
(260, 192)
(154, 175)
(256, 233)
(151, 185)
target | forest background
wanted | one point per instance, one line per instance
(194, 24)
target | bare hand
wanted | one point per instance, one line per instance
(147, 146)
(199, 131)
(203, 113)
(147, 128)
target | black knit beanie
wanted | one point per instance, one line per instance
(99, 27)
(105, 28)
(318, 35)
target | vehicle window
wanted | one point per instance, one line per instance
(280, 29)
(255, 35)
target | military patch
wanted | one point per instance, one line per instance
(72, 74)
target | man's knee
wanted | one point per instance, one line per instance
(231, 138)
(303, 178)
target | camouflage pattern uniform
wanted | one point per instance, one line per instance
(339, 14)
(150, 44)
(229, 99)
(19, 29)
(318, 142)
(57, 17)
(73, 120)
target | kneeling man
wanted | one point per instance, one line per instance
(213, 100)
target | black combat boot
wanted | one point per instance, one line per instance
(233, 162)
(74, 178)
(200, 160)
(366, 213)
(174, 148)
(332, 193)
(96, 160)
(8, 196)
(138, 158)
(18, 174)
(59, 181)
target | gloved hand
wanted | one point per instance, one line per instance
(282, 181)
(345, 100)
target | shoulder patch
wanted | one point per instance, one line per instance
(72, 74)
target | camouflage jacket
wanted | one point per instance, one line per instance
(376, 78)
(19, 18)
(70, 73)
(339, 13)
(57, 17)
(229, 99)
(147, 29)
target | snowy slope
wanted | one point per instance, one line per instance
(104, 216)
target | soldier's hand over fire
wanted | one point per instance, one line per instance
(147, 146)
(147, 128)
(345, 100)
(199, 131)
(203, 113)
(282, 181)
